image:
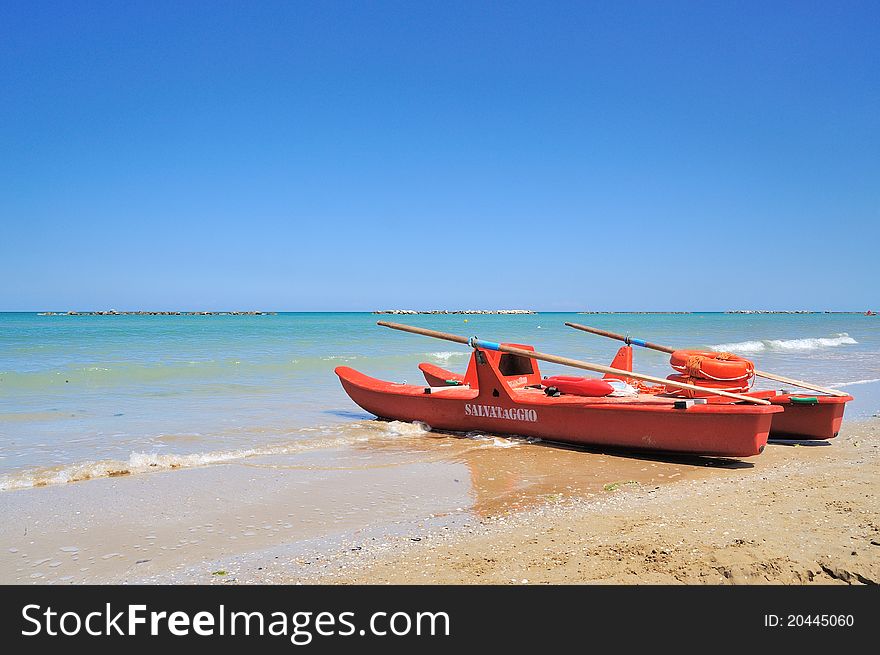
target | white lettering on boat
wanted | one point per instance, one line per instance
(494, 411)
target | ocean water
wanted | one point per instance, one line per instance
(92, 396)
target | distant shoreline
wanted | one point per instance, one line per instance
(443, 312)
(531, 311)
(455, 311)
(751, 311)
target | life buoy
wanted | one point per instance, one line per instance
(591, 387)
(736, 386)
(709, 365)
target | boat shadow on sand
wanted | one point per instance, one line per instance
(350, 415)
(797, 442)
(681, 459)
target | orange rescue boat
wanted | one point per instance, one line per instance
(806, 417)
(503, 393)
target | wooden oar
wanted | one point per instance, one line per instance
(666, 349)
(565, 361)
(620, 337)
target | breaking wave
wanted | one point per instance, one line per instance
(443, 357)
(782, 345)
(142, 462)
(495, 441)
(837, 385)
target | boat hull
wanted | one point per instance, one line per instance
(437, 376)
(817, 421)
(642, 424)
(808, 421)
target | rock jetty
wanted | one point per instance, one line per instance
(770, 311)
(113, 312)
(455, 311)
(795, 311)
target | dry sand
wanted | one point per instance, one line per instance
(801, 514)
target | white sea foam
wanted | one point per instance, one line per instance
(402, 428)
(443, 357)
(138, 462)
(783, 345)
(144, 462)
(742, 347)
(854, 383)
(493, 441)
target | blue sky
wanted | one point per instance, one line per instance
(358, 155)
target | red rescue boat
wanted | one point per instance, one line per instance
(806, 417)
(503, 393)
(810, 418)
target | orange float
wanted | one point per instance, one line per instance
(730, 386)
(713, 366)
(579, 386)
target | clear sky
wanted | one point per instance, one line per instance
(363, 155)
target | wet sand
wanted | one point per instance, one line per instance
(185, 525)
(153, 527)
(802, 514)
(426, 507)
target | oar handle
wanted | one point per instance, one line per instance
(424, 332)
(565, 361)
(620, 337)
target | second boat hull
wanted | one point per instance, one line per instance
(809, 421)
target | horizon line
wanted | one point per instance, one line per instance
(421, 312)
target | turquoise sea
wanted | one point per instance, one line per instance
(87, 396)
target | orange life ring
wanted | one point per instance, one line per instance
(735, 386)
(709, 365)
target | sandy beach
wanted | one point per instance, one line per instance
(413, 507)
(803, 514)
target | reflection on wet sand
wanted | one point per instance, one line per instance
(508, 474)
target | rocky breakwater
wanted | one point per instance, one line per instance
(770, 311)
(797, 311)
(454, 311)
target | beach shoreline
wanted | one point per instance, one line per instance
(101, 395)
(446, 509)
(802, 521)
(804, 514)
